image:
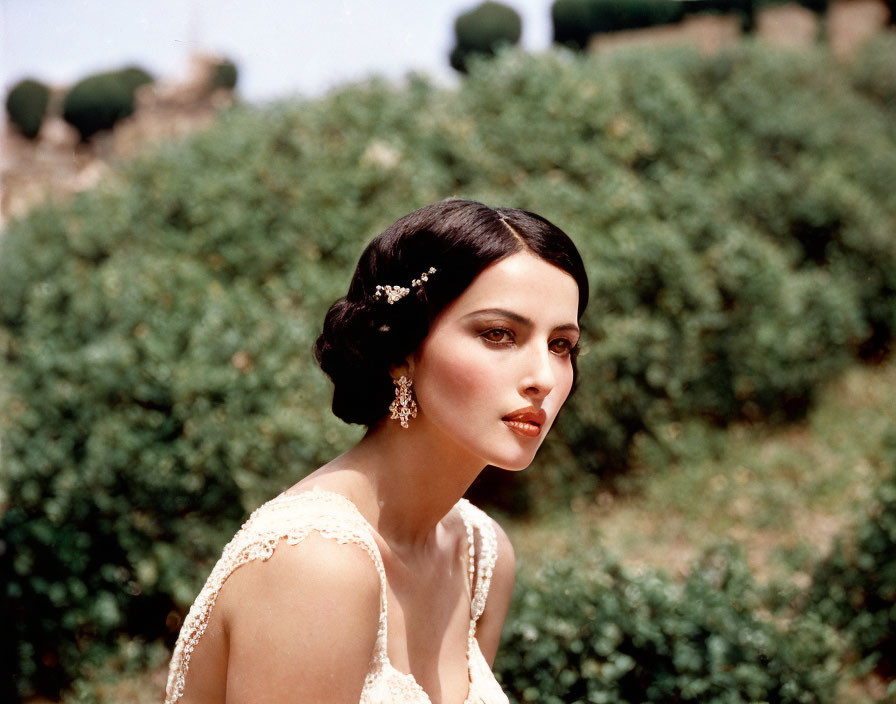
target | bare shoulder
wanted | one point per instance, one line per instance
(302, 624)
(505, 566)
(499, 595)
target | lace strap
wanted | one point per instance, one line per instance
(286, 517)
(364, 533)
(482, 562)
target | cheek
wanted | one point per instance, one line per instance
(452, 380)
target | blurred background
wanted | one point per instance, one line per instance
(186, 187)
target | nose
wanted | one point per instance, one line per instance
(538, 377)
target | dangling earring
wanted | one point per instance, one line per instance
(404, 405)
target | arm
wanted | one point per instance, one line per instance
(488, 630)
(302, 625)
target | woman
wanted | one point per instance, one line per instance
(456, 346)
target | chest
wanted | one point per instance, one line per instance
(428, 621)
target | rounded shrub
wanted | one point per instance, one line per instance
(854, 587)
(132, 77)
(98, 102)
(224, 75)
(26, 106)
(583, 632)
(482, 31)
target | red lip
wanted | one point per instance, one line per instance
(528, 415)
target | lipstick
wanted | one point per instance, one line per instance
(526, 421)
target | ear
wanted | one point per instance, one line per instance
(405, 368)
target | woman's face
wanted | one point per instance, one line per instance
(503, 346)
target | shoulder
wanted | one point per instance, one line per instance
(316, 570)
(505, 566)
(306, 544)
(492, 538)
(496, 550)
(504, 571)
(302, 624)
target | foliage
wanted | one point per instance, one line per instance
(872, 75)
(132, 77)
(224, 75)
(482, 31)
(99, 101)
(602, 633)
(26, 105)
(854, 587)
(575, 21)
(733, 213)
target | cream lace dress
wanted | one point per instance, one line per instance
(332, 515)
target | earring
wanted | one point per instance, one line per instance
(404, 405)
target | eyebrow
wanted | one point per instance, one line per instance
(517, 318)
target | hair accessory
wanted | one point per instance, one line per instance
(395, 293)
(404, 405)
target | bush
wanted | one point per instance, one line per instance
(98, 102)
(156, 331)
(571, 20)
(854, 587)
(132, 77)
(601, 633)
(872, 75)
(575, 21)
(224, 75)
(482, 31)
(26, 105)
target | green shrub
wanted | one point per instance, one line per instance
(224, 75)
(132, 77)
(571, 22)
(26, 105)
(602, 633)
(482, 31)
(871, 72)
(615, 15)
(98, 102)
(575, 21)
(155, 332)
(854, 587)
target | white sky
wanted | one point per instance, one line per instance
(281, 47)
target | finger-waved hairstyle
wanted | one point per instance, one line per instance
(362, 337)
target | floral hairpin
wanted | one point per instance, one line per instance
(395, 293)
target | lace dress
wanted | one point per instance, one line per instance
(334, 516)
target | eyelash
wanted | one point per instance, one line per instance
(572, 347)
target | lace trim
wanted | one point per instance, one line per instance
(279, 519)
(488, 557)
(270, 523)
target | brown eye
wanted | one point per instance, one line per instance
(565, 346)
(495, 336)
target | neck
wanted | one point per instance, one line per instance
(411, 478)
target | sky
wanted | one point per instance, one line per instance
(282, 48)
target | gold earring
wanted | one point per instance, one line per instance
(404, 405)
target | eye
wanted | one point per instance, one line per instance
(494, 336)
(566, 346)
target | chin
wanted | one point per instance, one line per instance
(513, 465)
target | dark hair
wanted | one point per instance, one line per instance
(363, 337)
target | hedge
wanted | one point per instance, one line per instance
(733, 213)
(598, 632)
